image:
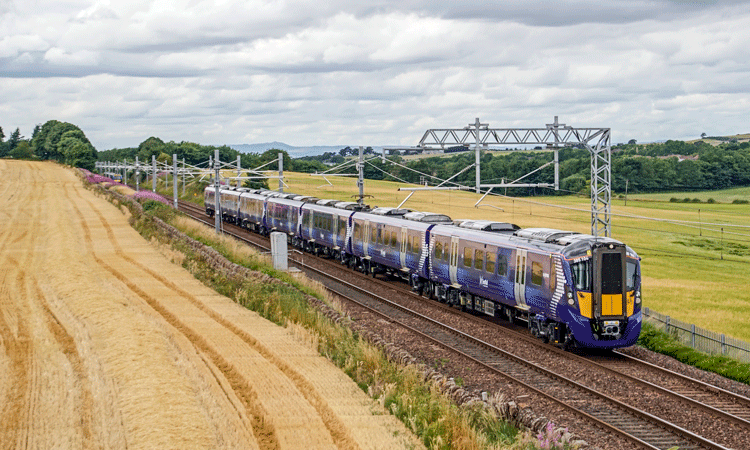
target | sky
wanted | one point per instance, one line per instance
(372, 72)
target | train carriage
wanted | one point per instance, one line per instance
(209, 200)
(567, 286)
(394, 242)
(252, 211)
(229, 200)
(324, 230)
(282, 214)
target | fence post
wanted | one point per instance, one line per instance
(666, 324)
(723, 345)
(692, 335)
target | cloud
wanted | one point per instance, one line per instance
(371, 72)
(13, 46)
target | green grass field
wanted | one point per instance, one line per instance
(692, 270)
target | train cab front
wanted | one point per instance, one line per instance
(607, 295)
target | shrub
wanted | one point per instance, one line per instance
(159, 209)
(666, 344)
(674, 199)
(710, 200)
(696, 200)
(740, 202)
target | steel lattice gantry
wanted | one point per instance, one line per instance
(555, 135)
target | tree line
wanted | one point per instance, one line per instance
(656, 167)
(58, 141)
(197, 154)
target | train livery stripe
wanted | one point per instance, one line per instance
(559, 287)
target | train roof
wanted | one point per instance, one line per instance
(305, 198)
(388, 211)
(488, 225)
(350, 206)
(569, 243)
(428, 217)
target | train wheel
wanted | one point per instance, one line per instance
(570, 342)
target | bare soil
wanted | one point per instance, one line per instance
(104, 343)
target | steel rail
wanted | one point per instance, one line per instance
(674, 430)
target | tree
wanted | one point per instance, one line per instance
(149, 147)
(14, 139)
(703, 135)
(46, 140)
(78, 153)
(22, 151)
(632, 142)
(37, 129)
(2, 135)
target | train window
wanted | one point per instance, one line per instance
(478, 259)
(394, 239)
(537, 273)
(490, 262)
(502, 265)
(342, 227)
(438, 250)
(374, 235)
(582, 275)
(467, 257)
(632, 279)
(357, 231)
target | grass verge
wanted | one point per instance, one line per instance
(666, 344)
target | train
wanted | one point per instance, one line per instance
(571, 289)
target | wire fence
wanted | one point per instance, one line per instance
(701, 339)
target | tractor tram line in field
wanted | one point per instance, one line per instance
(590, 387)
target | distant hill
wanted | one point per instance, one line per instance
(292, 150)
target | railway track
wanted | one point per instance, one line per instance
(628, 422)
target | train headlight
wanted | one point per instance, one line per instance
(637, 297)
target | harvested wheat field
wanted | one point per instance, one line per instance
(106, 344)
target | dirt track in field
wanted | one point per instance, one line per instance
(106, 344)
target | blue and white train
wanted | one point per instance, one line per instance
(571, 289)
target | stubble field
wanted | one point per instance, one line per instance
(106, 344)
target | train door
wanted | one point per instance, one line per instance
(366, 238)
(519, 287)
(335, 230)
(609, 290)
(453, 267)
(349, 234)
(404, 242)
(298, 227)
